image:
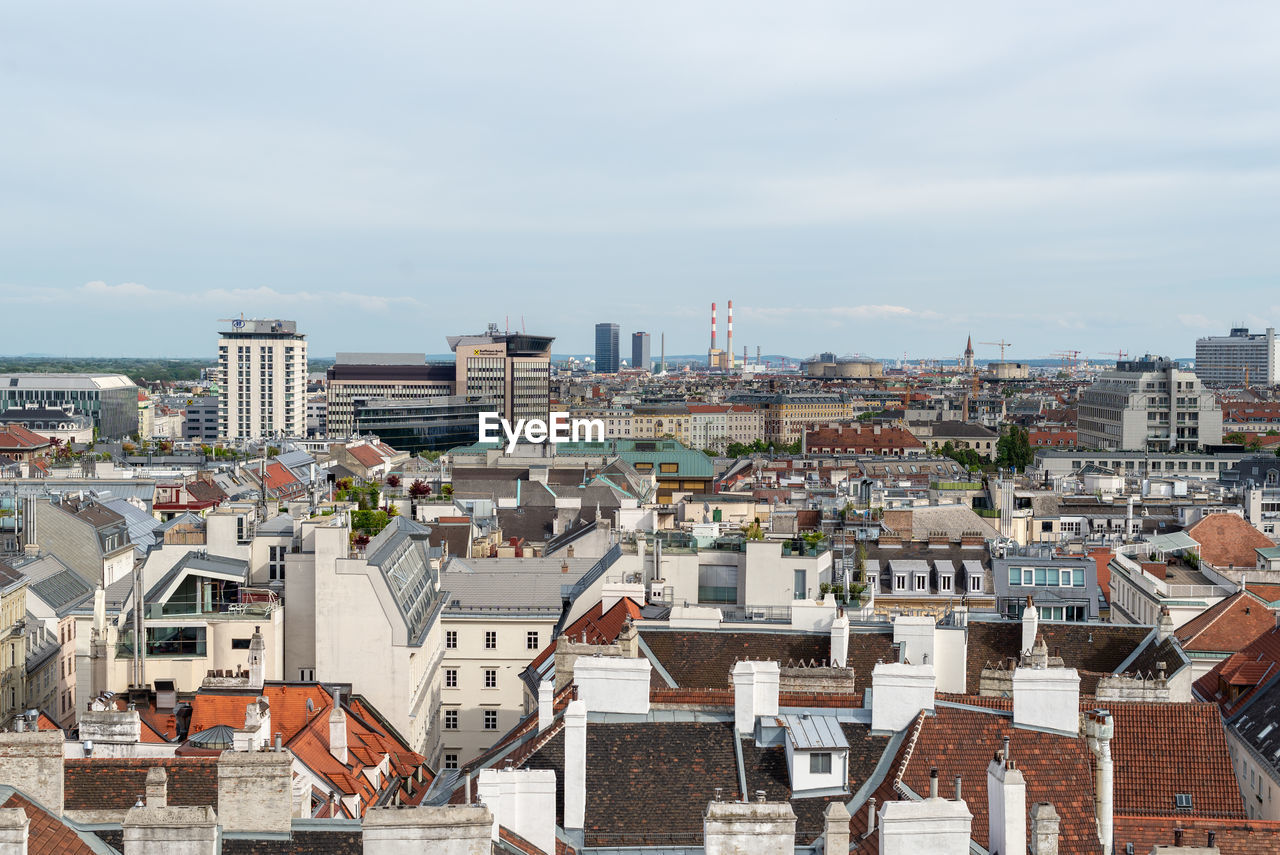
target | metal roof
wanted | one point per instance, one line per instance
(810, 732)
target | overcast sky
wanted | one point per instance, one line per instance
(863, 178)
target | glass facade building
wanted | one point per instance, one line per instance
(607, 348)
(425, 424)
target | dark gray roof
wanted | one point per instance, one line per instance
(57, 584)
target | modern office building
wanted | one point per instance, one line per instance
(640, 351)
(264, 365)
(509, 367)
(111, 400)
(1238, 358)
(200, 420)
(1148, 404)
(392, 376)
(422, 424)
(607, 355)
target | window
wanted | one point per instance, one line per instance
(1028, 576)
(1077, 578)
(820, 763)
(451, 678)
(307, 675)
(944, 583)
(718, 584)
(450, 760)
(900, 582)
(490, 719)
(1015, 576)
(239, 644)
(451, 639)
(531, 640)
(1040, 576)
(797, 586)
(490, 678)
(491, 640)
(1182, 801)
(450, 719)
(922, 582)
(975, 583)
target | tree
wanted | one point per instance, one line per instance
(1014, 449)
(393, 480)
(1236, 438)
(419, 489)
(754, 531)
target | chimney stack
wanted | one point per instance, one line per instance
(713, 327)
(1044, 829)
(728, 339)
(898, 693)
(839, 641)
(761, 828)
(575, 766)
(1030, 625)
(161, 830)
(755, 693)
(835, 822)
(14, 828)
(255, 791)
(523, 801)
(460, 829)
(1099, 729)
(257, 661)
(157, 787)
(1006, 806)
(338, 729)
(546, 704)
(1164, 625)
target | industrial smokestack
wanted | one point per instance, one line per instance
(728, 339)
(713, 326)
(664, 354)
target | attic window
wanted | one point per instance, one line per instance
(1182, 801)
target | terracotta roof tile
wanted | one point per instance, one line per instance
(47, 835)
(1227, 540)
(1235, 679)
(1228, 626)
(1231, 836)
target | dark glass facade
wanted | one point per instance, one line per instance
(427, 424)
(607, 348)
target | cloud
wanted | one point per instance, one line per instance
(850, 313)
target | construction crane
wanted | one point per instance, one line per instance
(1245, 369)
(1069, 360)
(1002, 344)
(1118, 354)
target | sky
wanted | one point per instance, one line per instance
(864, 178)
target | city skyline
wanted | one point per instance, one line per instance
(1086, 178)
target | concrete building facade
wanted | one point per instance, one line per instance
(265, 366)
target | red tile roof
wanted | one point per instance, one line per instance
(1235, 679)
(1102, 558)
(1227, 540)
(16, 436)
(1231, 836)
(865, 439)
(1228, 626)
(366, 455)
(598, 628)
(47, 835)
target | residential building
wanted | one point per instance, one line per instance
(787, 416)
(90, 538)
(200, 422)
(317, 416)
(1148, 404)
(1156, 576)
(391, 376)
(1061, 587)
(607, 358)
(961, 435)
(856, 438)
(1201, 466)
(640, 351)
(1239, 358)
(265, 366)
(13, 643)
(63, 423)
(513, 368)
(111, 400)
(21, 444)
(501, 613)
(663, 421)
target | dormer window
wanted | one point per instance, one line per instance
(817, 754)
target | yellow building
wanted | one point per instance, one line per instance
(13, 644)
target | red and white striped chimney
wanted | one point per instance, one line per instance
(728, 340)
(713, 326)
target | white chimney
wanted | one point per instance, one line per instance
(338, 730)
(1164, 625)
(898, 693)
(14, 828)
(257, 659)
(1098, 729)
(610, 684)
(1047, 699)
(158, 831)
(1044, 829)
(934, 825)
(522, 800)
(914, 635)
(1030, 625)
(1006, 807)
(759, 828)
(575, 765)
(839, 641)
(755, 693)
(546, 704)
